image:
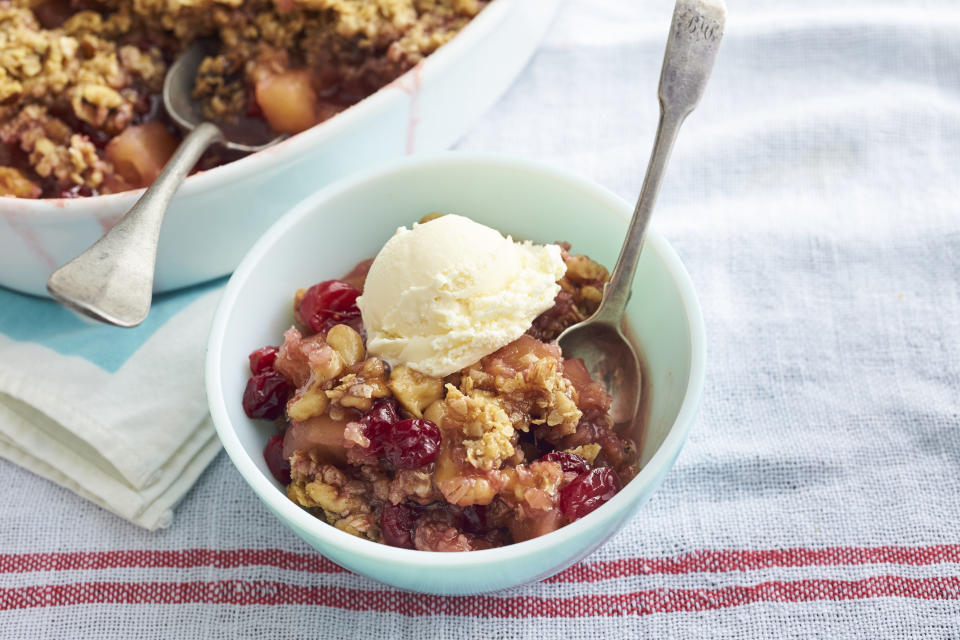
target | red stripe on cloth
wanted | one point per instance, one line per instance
(750, 560)
(240, 592)
(706, 561)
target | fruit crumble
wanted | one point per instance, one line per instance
(512, 446)
(80, 80)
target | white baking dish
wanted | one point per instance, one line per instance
(218, 214)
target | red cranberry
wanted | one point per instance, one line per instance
(262, 359)
(149, 106)
(412, 443)
(278, 465)
(377, 422)
(329, 303)
(567, 461)
(266, 395)
(473, 519)
(397, 523)
(587, 492)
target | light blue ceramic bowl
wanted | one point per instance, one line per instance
(326, 234)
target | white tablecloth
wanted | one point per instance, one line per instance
(815, 199)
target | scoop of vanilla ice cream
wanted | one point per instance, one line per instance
(447, 292)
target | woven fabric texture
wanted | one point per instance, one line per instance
(815, 199)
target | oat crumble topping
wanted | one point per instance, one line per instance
(76, 74)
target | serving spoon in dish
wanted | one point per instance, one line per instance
(112, 281)
(695, 34)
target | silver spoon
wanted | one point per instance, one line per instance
(599, 340)
(112, 281)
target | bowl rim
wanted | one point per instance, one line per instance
(286, 151)
(346, 543)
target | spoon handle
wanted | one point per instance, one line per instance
(692, 45)
(112, 281)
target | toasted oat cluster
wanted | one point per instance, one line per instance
(580, 292)
(511, 447)
(80, 112)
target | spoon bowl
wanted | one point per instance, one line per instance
(242, 133)
(611, 358)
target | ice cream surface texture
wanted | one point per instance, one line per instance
(447, 292)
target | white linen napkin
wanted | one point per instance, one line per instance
(118, 416)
